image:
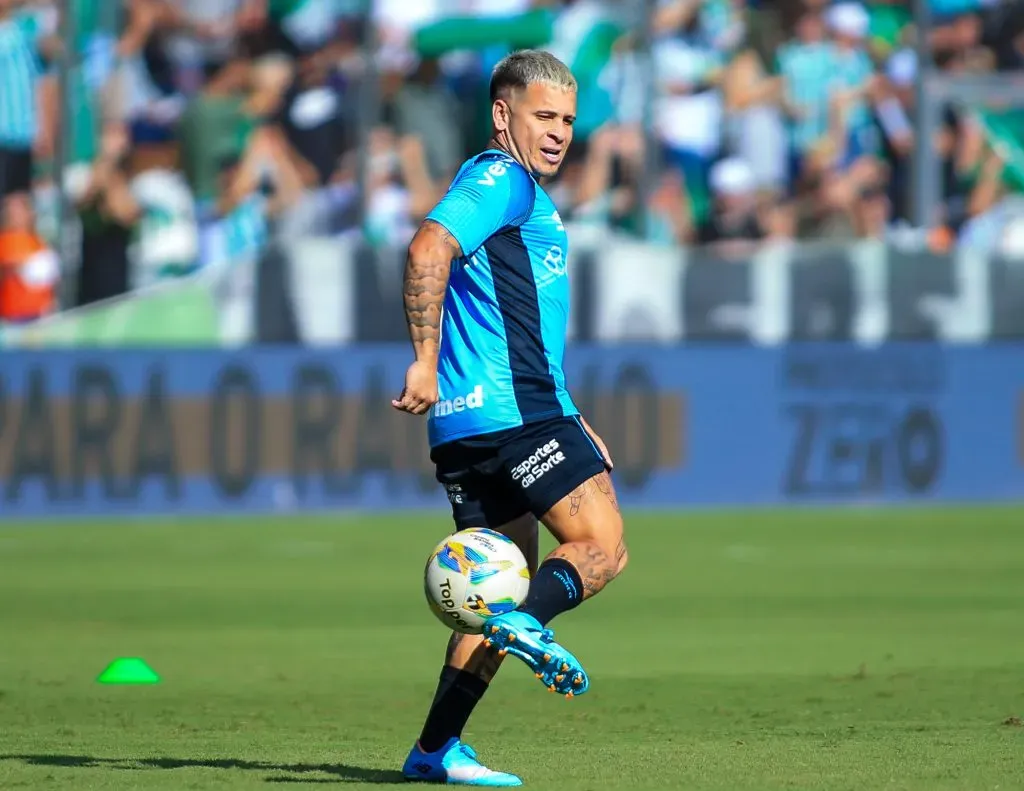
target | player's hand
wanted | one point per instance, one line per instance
(600, 444)
(420, 391)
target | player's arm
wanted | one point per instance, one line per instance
(427, 268)
(486, 197)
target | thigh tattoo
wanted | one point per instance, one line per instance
(601, 483)
(604, 483)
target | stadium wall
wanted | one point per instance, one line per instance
(278, 430)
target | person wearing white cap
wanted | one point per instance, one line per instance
(853, 74)
(804, 64)
(734, 217)
(732, 178)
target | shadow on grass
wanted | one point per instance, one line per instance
(291, 773)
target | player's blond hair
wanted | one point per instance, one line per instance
(526, 67)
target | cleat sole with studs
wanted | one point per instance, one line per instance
(552, 670)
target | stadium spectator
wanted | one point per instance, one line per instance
(804, 64)
(755, 125)
(738, 220)
(109, 215)
(29, 268)
(26, 39)
(852, 85)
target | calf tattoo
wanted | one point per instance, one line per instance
(592, 563)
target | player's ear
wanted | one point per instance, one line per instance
(500, 115)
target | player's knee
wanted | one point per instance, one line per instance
(614, 549)
(607, 535)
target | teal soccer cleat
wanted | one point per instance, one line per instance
(454, 764)
(522, 636)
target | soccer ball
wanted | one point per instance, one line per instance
(472, 575)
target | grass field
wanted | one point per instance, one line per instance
(833, 650)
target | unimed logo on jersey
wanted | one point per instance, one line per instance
(498, 169)
(472, 400)
(541, 461)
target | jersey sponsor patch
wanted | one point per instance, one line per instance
(452, 406)
(554, 266)
(494, 172)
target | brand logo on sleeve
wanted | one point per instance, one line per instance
(494, 172)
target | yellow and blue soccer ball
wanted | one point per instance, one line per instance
(473, 575)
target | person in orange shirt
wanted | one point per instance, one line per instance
(29, 268)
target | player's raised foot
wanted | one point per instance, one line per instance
(454, 764)
(523, 636)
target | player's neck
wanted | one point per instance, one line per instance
(500, 144)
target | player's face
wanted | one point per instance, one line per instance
(540, 125)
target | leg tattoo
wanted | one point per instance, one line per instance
(604, 484)
(468, 652)
(595, 567)
(599, 484)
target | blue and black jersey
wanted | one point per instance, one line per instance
(507, 307)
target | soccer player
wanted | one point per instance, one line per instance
(487, 301)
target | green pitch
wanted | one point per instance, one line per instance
(835, 650)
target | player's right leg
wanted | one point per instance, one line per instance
(590, 554)
(576, 501)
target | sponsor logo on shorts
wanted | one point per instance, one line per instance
(454, 491)
(539, 464)
(450, 406)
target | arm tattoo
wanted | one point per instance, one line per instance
(444, 235)
(426, 279)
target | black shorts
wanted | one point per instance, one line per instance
(492, 479)
(15, 170)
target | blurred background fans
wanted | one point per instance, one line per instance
(259, 165)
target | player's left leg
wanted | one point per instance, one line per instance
(439, 754)
(469, 666)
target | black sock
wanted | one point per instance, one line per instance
(554, 589)
(457, 694)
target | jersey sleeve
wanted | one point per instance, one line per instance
(485, 197)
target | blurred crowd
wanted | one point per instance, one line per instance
(193, 132)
